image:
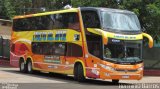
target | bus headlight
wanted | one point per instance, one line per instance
(107, 67)
(140, 69)
(95, 71)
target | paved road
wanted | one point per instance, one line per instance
(11, 78)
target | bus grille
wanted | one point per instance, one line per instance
(125, 70)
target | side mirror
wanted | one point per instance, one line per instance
(99, 32)
(105, 38)
(149, 38)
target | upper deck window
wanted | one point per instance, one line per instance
(47, 22)
(90, 19)
(120, 21)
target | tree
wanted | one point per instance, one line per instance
(148, 11)
(3, 12)
(10, 9)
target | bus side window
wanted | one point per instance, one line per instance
(60, 49)
(57, 21)
(49, 48)
(74, 50)
(94, 44)
(36, 48)
(73, 21)
(48, 22)
(90, 19)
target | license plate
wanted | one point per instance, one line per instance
(125, 76)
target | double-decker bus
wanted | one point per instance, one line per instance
(87, 42)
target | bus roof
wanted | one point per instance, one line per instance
(106, 9)
(47, 13)
(75, 10)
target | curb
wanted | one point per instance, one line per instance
(152, 72)
(4, 63)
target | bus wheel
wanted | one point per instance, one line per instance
(29, 67)
(22, 66)
(80, 73)
(76, 73)
(115, 81)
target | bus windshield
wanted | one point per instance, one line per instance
(125, 52)
(120, 21)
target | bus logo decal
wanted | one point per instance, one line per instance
(49, 36)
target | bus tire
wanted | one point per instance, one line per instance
(29, 67)
(75, 73)
(22, 66)
(115, 81)
(80, 73)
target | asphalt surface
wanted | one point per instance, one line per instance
(11, 78)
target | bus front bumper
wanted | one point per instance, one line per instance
(121, 76)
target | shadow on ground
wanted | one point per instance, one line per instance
(65, 78)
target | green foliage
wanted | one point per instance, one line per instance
(92, 3)
(10, 9)
(2, 10)
(148, 11)
(153, 17)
